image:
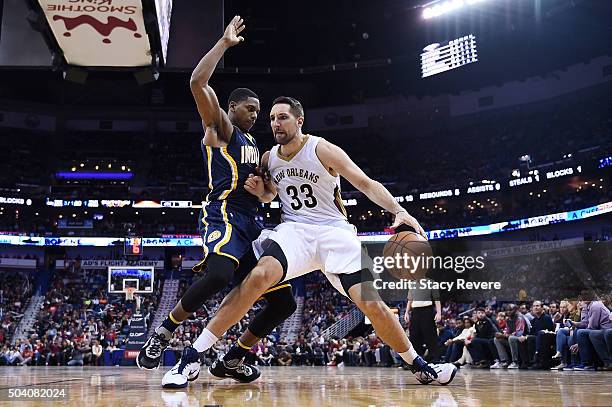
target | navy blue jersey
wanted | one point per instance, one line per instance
(227, 168)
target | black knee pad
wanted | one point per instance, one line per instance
(219, 273)
(358, 277)
(281, 305)
(272, 249)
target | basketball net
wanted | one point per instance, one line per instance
(130, 295)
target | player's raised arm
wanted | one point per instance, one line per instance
(260, 184)
(335, 158)
(213, 117)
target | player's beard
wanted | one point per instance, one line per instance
(284, 138)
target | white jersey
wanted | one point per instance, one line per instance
(307, 191)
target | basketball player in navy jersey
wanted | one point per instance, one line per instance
(227, 223)
(304, 171)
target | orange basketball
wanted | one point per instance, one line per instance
(413, 251)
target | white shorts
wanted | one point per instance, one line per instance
(333, 250)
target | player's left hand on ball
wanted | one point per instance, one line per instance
(254, 185)
(403, 217)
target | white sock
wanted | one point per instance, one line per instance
(409, 355)
(205, 341)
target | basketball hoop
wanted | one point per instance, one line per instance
(129, 293)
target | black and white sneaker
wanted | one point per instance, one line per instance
(425, 373)
(235, 369)
(186, 370)
(150, 354)
(446, 372)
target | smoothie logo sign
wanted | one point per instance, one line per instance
(87, 7)
(103, 29)
(99, 32)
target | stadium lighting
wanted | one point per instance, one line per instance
(442, 7)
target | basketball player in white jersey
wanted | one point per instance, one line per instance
(304, 170)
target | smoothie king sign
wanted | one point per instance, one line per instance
(99, 32)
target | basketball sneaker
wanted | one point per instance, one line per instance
(186, 370)
(234, 369)
(446, 373)
(425, 373)
(151, 352)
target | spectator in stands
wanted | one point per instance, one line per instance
(598, 319)
(446, 331)
(500, 321)
(284, 359)
(554, 312)
(96, 352)
(354, 353)
(602, 342)
(564, 335)
(482, 346)
(39, 353)
(4, 354)
(54, 353)
(303, 352)
(509, 338)
(490, 313)
(14, 357)
(339, 350)
(541, 338)
(76, 355)
(265, 357)
(453, 349)
(85, 349)
(27, 354)
(464, 339)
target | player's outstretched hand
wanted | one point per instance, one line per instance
(255, 185)
(403, 217)
(232, 31)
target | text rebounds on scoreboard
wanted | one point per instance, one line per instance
(438, 58)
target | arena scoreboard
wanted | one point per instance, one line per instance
(437, 58)
(132, 246)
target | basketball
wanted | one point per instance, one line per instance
(413, 250)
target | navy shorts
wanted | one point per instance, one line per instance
(227, 231)
(230, 233)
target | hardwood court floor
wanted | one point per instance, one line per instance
(311, 387)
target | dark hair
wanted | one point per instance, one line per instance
(587, 295)
(240, 95)
(295, 107)
(480, 309)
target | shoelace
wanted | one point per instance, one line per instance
(241, 368)
(419, 365)
(155, 347)
(182, 365)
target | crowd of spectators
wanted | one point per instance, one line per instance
(77, 321)
(16, 288)
(440, 214)
(564, 335)
(479, 147)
